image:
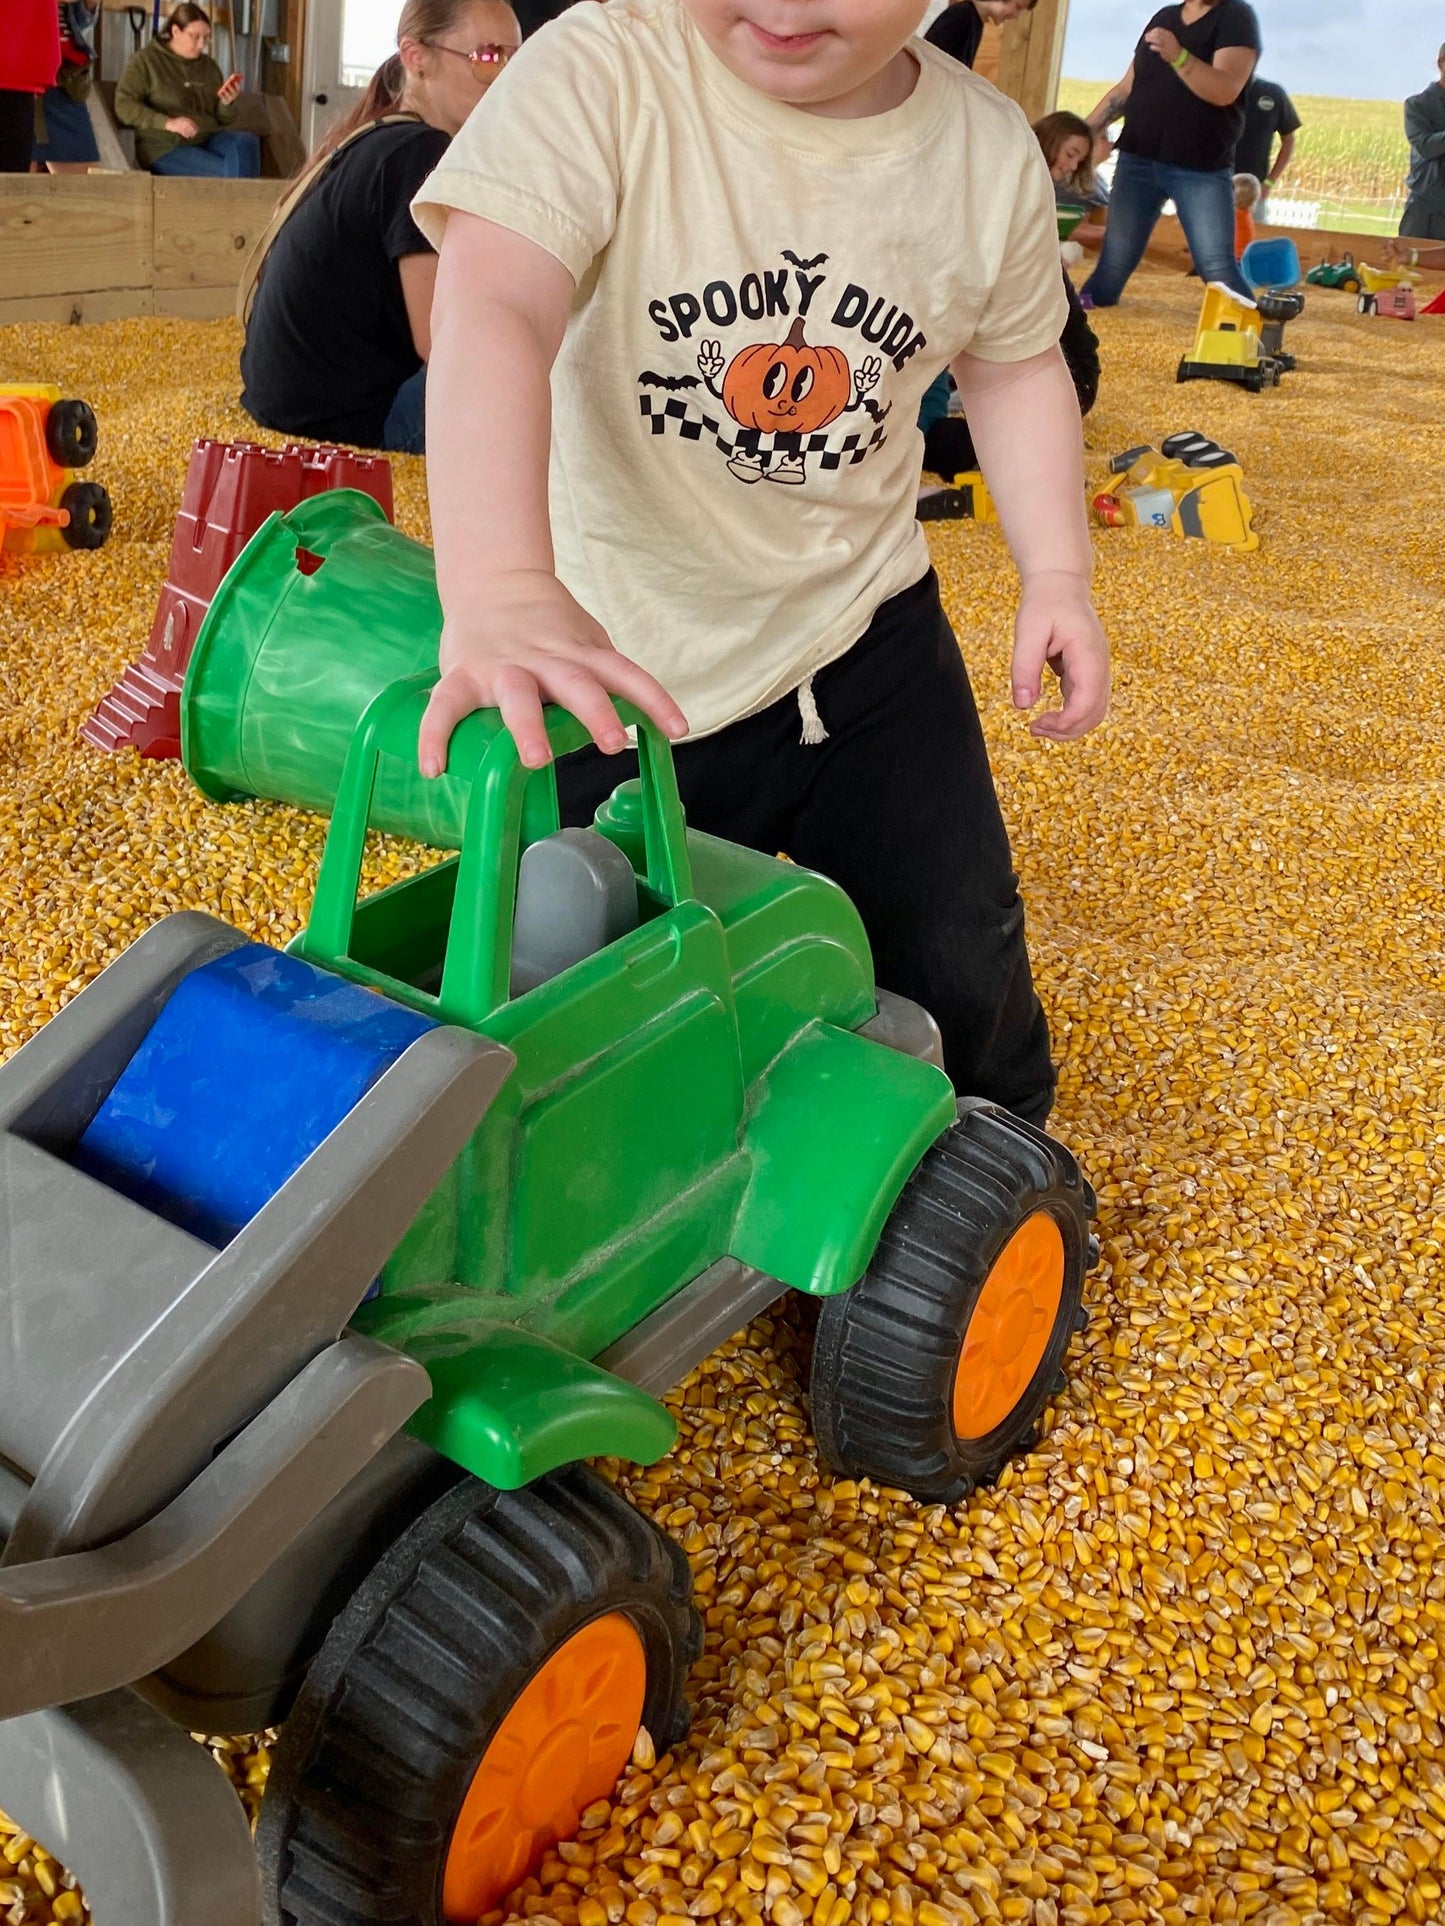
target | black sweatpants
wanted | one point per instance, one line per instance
(897, 806)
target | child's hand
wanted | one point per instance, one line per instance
(1056, 624)
(526, 642)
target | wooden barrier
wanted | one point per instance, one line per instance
(96, 247)
(1315, 244)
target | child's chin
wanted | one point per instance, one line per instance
(794, 85)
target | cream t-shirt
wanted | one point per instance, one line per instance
(762, 297)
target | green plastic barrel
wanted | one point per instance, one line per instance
(323, 609)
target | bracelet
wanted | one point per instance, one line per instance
(1414, 257)
(1182, 62)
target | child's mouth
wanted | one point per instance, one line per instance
(785, 43)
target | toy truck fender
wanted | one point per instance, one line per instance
(510, 1406)
(840, 1127)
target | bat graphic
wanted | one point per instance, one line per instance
(806, 266)
(670, 382)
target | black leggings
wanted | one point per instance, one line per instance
(17, 131)
(897, 806)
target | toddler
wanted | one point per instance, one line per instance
(1248, 193)
(699, 260)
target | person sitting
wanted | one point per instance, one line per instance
(1070, 145)
(1248, 193)
(339, 332)
(177, 100)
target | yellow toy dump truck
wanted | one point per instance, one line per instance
(1189, 484)
(1242, 341)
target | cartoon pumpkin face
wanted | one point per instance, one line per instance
(787, 387)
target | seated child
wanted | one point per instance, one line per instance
(1247, 196)
(1072, 150)
(715, 306)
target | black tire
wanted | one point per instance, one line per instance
(887, 1352)
(418, 1672)
(71, 433)
(90, 515)
(1184, 372)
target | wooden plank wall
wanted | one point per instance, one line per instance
(1025, 58)
(1031, 57)
(95, 247)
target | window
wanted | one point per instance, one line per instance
(368, 35)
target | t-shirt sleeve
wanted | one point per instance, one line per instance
(1239, 27)
(1289, 120)
(541, 153)
(403, 171)
(1027, 306)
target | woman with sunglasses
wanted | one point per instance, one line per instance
(339, 328)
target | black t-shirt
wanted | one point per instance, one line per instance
(1268, 110)
(532, 14)
(958, 30)
(329, 343)
(1164, 120)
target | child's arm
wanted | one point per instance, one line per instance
(1024, 416)
(512, 637)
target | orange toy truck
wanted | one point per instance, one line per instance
(44, 440)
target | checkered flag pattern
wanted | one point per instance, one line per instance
(692, 422)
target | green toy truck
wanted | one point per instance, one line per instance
(1336, 274)
(327, 1271)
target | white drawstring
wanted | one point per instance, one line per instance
(813, 730)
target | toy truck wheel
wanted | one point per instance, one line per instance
(484, 1686)
(88, 506)
(71, 434)
(934, 1369)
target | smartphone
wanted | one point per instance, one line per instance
(232, 79)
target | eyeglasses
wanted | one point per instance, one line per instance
(491, 55)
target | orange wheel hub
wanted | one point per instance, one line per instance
(562, 1745)
(1010, 1327)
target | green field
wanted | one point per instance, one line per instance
(1351, 156)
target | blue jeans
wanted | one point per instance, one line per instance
(231, 155)
(1136, 200)
(405, 430)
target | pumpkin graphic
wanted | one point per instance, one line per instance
(787, 387)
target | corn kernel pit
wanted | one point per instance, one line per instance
(1184, 1662)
